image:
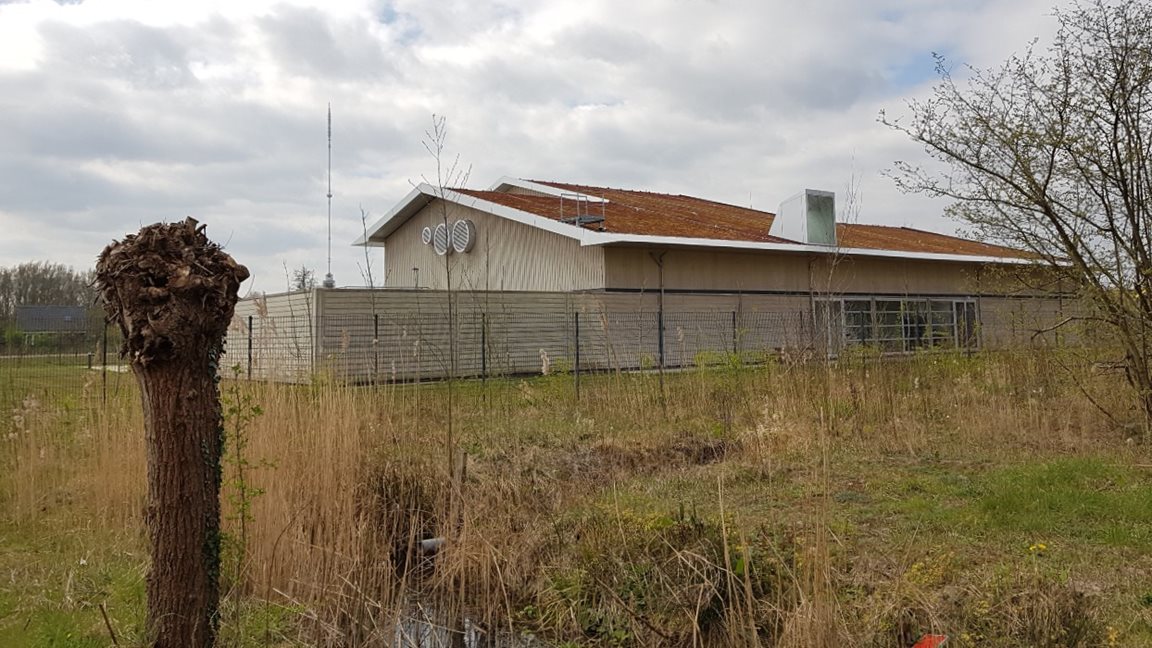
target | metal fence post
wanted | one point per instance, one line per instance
(104, 366)
(735, 339)
(576, 362)
(660, 334)
(249, 347)
(375, 347)
(484, 346)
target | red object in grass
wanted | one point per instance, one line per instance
(931, 641)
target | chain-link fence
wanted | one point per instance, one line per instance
(389, 347)
(41, 357)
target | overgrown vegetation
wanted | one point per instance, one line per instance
(786, 504)
(1049, 153)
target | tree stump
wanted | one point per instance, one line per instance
(173, 292)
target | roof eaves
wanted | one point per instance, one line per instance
(374, 236)
(677, 241)
(423, 193)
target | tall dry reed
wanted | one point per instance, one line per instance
(535, 536)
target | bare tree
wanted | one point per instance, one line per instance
(1052, 152)
(449, 175)
(173, 293)
(303, 278)
(41, 282)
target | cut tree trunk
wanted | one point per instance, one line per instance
(173, 292)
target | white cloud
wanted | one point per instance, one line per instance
(123, 113)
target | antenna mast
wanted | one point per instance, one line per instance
(329, 281)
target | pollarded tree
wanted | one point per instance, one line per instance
(173, 293)
(1052, 152)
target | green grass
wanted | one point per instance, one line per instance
(928, 509)
(1088, 499)
(57, 574)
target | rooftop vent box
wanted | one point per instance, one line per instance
(808, 217)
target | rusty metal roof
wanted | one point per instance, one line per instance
(639, 212)
(656, 214)
(907, 239)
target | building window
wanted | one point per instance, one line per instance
(899, 325)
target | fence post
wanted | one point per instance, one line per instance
(104, 366)
(804, 332)
(249, 347)
(660, 336)
(735, 339)
(576, 362)
(484, 346)
(375, 348)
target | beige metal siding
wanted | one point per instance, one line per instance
(281, 337)
(512, 333)
(635, 269)
(741, 271)
(1022, 321)
(414, 334)
(363, 335)
(863, 275)
(507, 256)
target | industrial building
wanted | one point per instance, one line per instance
(658, 279)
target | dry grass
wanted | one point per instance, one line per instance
(782, 505)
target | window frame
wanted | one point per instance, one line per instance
(899, 324)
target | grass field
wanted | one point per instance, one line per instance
(862, 503)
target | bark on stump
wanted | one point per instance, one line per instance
(173, 293)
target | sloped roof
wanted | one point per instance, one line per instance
(907, 239)
(649, 218)
(656, 214)
(640, 212)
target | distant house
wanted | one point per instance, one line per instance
(51, 319)
(689, 265)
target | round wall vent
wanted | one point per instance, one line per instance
(426, 235)
(463, 235)
(440, 241)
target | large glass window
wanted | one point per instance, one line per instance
(858, 321)
(966, 324)
(906, 324)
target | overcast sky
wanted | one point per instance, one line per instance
(118, 114)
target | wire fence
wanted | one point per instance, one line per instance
(82, 360)
(43, 361)
(44, 358)
(390, 347)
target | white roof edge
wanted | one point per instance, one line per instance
(422, 189)
(413, 202)
(643, 239)
(586, 237)
(509, 181)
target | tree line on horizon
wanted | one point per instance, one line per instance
(44, 283)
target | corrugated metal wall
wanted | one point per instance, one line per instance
(507, 256)
(388, 335)
(363, 335)
(271, 337)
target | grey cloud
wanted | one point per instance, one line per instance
(699, 99)
(526, 84)
(606, 43)
(146, 57)
(307, 43)
(43, 187)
